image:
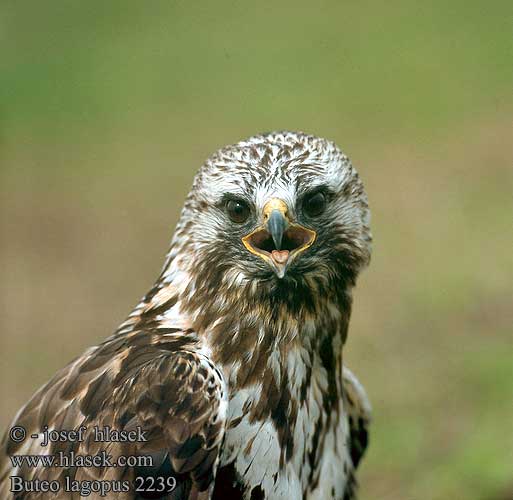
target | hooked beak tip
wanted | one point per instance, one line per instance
(277, 224)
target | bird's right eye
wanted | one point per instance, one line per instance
(238, 210)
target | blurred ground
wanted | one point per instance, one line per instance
(106, 111)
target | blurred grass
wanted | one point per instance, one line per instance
(107, 109)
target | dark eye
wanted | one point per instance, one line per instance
(238, 210)
(315, 204)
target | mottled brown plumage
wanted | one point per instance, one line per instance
(232, 363)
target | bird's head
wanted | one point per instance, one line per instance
(276, 209)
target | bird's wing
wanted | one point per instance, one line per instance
(171, 398)
(359, 415)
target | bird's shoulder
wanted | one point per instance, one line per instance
(157, 383)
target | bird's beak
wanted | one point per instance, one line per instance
(278, 240)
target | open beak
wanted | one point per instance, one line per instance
(278, 241)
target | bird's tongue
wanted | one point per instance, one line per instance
(280, 256)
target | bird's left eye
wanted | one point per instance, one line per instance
(238, 210)
(315, 204)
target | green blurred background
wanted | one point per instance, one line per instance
(108, 108)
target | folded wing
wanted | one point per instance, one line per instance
(157, 386)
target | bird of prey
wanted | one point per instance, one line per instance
(227, 380)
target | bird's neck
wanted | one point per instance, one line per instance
(249, 328)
